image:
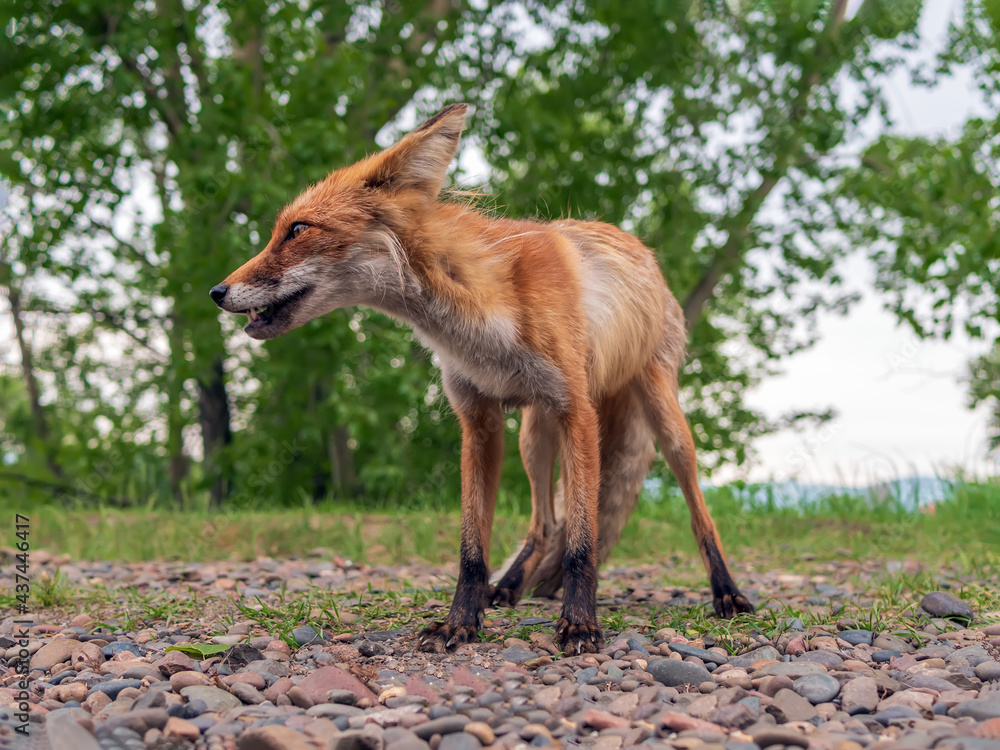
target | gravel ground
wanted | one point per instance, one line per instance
(811, 672)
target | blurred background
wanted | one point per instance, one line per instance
(819, 180)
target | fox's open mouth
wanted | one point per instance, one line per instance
(262, 318)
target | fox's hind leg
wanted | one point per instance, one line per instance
(539, 443)
(627, 452)
(657, 386)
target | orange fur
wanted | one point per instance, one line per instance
(570, 320)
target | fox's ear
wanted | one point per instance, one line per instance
(421, 158)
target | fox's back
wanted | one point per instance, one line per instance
(630, 312)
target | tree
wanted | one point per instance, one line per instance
(214, 113)
(148, 147)
(928, 210)
(716, 135)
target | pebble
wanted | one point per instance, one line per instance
(817, 688)
(704, 654)
(215, 699)
(857, 637)
(889, 642)
(943, 604)
(980, 709)
(831, 683)
(859, 696)
(673, 672)
(988, 671)
(787, 706)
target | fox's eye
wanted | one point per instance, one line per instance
(296, 230)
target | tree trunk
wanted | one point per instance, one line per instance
(341, 462)
(216, 431)
(38, 416)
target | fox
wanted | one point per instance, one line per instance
(571, 322)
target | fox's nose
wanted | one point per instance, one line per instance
(218, 293)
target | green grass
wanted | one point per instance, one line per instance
(964, 529)
(854, 539)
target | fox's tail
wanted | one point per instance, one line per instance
(627, 452)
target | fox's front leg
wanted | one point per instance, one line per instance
(482, 457)
(577, 630)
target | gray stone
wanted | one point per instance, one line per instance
(119, 647)
(765, 736)
(738, 715)
(758, 654)
(793, 669)
(112, 688)
(443, 726)
(788, 705)
(817, 688)
(369, 738)
(859, 696)
(827, 658)
(980, 709)
(673, 672)
(943, 604)
(635, 644)
(975, 655)
(701, 653)
(459, 741)
(890, 642)
(247, 693)
(306, 635)
(273, 737)
(966, 743)
(63, 731)
(585, 675)
(217, 700)
(267, 666)
(518, 654)
(884, 656)
(930, 682)
(939, 651)
(333, 710)
(342, 696)
(895, 713)
(857, 637)
(988, 671)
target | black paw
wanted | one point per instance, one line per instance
(442, 637)
(504, 597)
(575, 639)
(729, 602)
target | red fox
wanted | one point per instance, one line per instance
(569, 321)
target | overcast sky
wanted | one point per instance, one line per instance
(901, 402)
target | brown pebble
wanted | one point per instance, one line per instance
(86, 656)
(68, 691)
(481, 731)
(250, 678)
(97, 702)
(177, 727)
(603, 720)
(181, 680)
(299, 697)
(281, 686)
(707, 687)
(174, 662)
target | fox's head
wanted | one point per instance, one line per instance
(338, 243)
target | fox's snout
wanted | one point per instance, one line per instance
(218, 293)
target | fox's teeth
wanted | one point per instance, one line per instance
(252, 315)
